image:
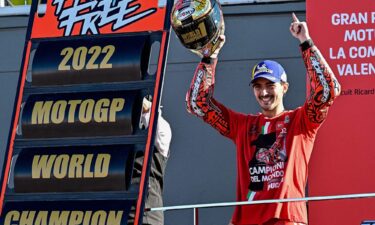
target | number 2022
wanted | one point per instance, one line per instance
(80, 54)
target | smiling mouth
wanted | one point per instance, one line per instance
(266, 100)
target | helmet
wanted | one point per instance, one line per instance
(198, 24)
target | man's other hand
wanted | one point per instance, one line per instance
(299, 29)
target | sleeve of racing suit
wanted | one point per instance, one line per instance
(200, 101)
(324, 87)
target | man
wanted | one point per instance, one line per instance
(274, 146)
(160, 157)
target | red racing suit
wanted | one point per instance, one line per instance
(272, 153)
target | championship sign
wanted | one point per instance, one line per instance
(66, 213)
(74, 169)
(344, 31)
(88, 60)
(80, 115)
(74, 135)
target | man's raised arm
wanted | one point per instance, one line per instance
(324, 85)
(199, 98)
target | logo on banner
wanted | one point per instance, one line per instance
(372, 222)
(94, 14)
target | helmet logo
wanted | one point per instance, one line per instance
(185, 13)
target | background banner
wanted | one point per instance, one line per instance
(76, 17)
(342, 160)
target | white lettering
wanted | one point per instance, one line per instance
(360, 35)
(349, 19)
(340, 54)
(258, 170)
(194, 93)
(361, 52)
(273, 186)
(92, 15)
(275, 174)
(356, 69)
(326, 90)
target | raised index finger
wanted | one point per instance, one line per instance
(295, 19)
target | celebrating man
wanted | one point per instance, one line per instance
(274, 146)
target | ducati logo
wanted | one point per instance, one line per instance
(91, 15)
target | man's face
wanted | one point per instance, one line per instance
(269, 94)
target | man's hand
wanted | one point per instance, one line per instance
(146, 105)
(221, 41)
(299, 29)
(221, 44)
